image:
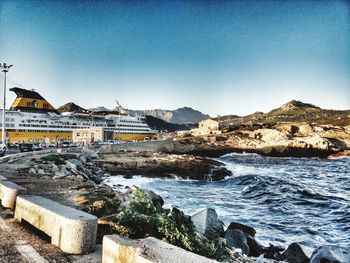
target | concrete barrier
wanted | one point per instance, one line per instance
(16, 156)
(117, 249)
(72, 230)
(9, 192)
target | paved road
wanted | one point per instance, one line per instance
(11, 151)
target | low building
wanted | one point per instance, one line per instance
(92, 134)
(206, 127)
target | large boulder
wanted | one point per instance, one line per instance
(273, 252)
(295, 254)
(156, 199)
(330, 254)
(207, 220)
(246, 229)
(255, 249)
(235, 238)
(270, 136)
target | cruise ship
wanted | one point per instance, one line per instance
(32, 119)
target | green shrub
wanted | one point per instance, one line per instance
(98, 203)
(54, 158)
(143, 219)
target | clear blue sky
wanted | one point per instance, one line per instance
(221, 57)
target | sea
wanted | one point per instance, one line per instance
(304, 200)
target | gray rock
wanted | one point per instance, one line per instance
(32, 171)
(330, 254)
(59, 175)
(235, 238)
(255, 248)
(246, 229)
(156, 199)
(207, 220)
(70, 165)
(55, 168)
(76, 162)
(41, 171)
(83, 158)
(295, 254)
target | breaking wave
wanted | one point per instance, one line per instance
(305, 200)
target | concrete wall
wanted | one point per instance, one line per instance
(149, 146)
(117, 249)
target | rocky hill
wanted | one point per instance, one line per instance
(71, 107)
(160, 125)
(294, 111)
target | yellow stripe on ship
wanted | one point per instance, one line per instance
(28, 136)
(132, 137)
(22, 137)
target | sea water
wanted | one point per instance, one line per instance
(304, 200)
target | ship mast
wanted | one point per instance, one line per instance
(4, 68)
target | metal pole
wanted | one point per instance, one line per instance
(5, 68)
(3, 112)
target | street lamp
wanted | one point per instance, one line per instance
(4, 68)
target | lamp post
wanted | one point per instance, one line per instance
(4, 68)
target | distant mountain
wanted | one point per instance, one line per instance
(295, 111)
(70, 107)
(99, 109)
(160, 125)
(184, 115)
(180, 116)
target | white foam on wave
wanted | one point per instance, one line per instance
(120, 182)
(240, 154)
(241, 170)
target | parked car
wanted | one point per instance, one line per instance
(3, 149)
(29, 147)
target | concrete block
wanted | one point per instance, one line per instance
(70, 229)
(9, 192)
(117, 249)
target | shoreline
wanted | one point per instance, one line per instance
(92, 197)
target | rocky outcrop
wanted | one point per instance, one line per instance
(285, 142)
(69, 166)
(330, 254)
(246, 229)
(162, 165)
(235, 238)
(345, 153)
(295, 254)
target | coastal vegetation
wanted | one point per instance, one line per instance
(145, 217)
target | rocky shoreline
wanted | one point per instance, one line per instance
(283, 140)
(123, 212)
(162, 165)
